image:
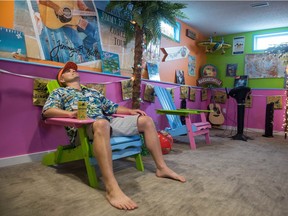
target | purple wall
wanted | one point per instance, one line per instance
(23, 132)
(255, 116)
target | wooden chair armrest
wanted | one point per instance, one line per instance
(182, 112)
(70, 122)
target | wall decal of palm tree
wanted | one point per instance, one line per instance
(144, 26)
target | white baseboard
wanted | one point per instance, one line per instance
(20, 159)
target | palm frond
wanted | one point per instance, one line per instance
(149, 14)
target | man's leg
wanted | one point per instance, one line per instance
(146, 125)
(103, 154)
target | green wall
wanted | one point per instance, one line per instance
(220, 61)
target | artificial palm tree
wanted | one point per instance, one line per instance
(144, 25)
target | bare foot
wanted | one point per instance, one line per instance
(119, 200)
(168, 173)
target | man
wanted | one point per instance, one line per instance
(61, 104)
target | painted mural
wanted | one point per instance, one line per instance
(75, 30)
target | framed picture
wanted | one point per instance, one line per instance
(110, 63)
(153, 71)
(204, 95)
(191, 65)
(192, 95)
(184, 92)
(190, 34)
(149, 94)
(127, 90)
(180, 79)
(220, 97)
(277, 100)
(241, 81)
(231, 70)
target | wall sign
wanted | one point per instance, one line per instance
(209, 76)
(173, 53)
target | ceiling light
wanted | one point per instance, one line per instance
(259, 4)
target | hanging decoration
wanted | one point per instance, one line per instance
(149, 94)
(174, 53)
(126, 86)
(212, 46)
(209, 76)
(184, 90)
(40, 92)
(192, 95)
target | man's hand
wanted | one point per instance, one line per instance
(127, 111)
(137, 112)
(55, 112)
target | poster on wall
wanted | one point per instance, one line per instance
(231, 70)
(67, 37)
(241, 81)
(12, 42)
(264, 66)
(191, 65)
(23, 22)
(180, 78)
(114, 40)
(153, 71)
(110, 63)
(238, 45)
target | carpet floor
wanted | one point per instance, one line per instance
(226, 178)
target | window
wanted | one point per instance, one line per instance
(264, 41)
(172, 32)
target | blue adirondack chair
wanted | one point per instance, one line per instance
(122, 147)
(173, 116)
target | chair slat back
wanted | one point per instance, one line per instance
(167, 103)
(53, 84)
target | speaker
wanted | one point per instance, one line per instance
(269, 120)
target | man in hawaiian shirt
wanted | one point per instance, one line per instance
(61, 103)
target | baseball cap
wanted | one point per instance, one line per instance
(67, 66)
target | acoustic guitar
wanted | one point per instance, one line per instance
(216, 117)
(71, 15)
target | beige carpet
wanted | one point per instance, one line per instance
(226, 178)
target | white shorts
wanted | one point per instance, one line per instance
(120, 126)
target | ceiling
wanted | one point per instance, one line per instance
(219, 18)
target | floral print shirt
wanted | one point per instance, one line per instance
(98, 106)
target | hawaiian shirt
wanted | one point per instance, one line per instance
(98, 106)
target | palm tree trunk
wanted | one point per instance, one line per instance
(138, 54)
